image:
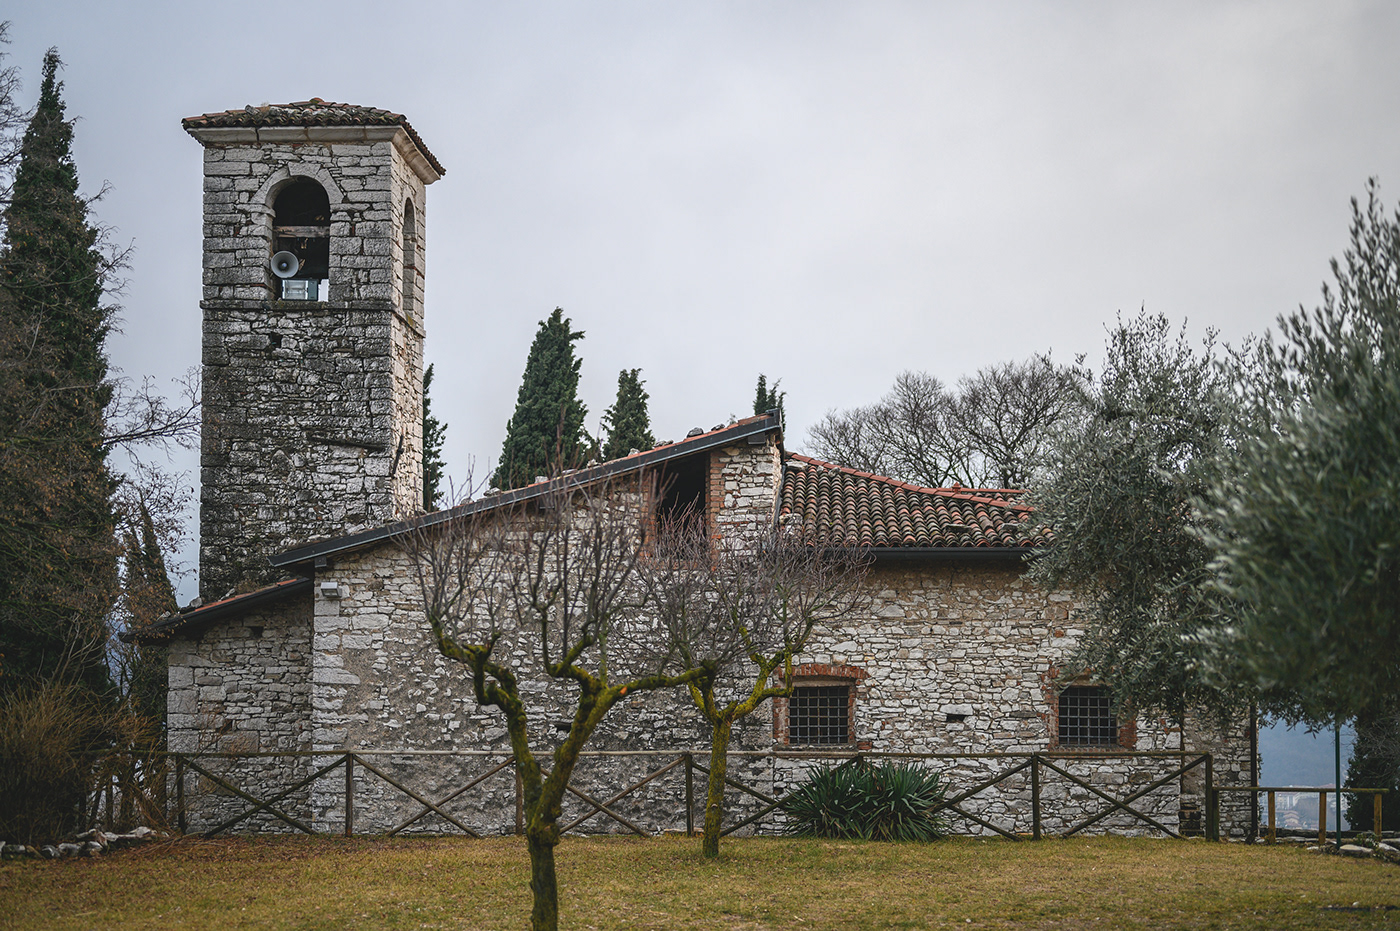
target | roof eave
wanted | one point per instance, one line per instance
(901, 554)
(234, 607)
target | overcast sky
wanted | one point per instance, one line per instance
(828, 193)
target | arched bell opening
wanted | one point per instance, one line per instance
(301, 239)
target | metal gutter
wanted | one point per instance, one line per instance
(739, 432)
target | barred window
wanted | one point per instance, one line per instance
(819, 714)
(1086, 717)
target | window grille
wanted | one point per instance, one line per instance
(819, 714)
(1086, 717)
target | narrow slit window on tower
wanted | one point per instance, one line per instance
(410, 256)
(301, 239)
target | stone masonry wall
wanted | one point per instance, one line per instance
(243, 686)
(975, 640)
(312, 410)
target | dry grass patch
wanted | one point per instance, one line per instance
(617, 883)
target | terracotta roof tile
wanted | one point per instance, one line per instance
(313, 112)
(837, 506)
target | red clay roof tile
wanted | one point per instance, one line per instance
(836, 506)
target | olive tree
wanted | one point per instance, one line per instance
(1308, 521)
(1122, 500)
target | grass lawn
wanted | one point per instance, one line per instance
(613, 883)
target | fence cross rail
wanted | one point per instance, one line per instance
(363, 764)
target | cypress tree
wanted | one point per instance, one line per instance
(147, 596)
(768, 399)
(58, 551)
(627, 421)
(434, 431)
(544, 435)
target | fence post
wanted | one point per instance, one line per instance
(690, 800)
(349, 794)
(180, 793)
(519, 801)
(1212, 802)
(1376, 811)
(1322, 818)
(1035, 796)
(1273, 832)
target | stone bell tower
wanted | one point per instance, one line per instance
(313, 329)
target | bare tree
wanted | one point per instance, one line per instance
(993, 430)
(741, 611)
(556, 576)
(139, 415)
(13, 118)
(1006, 417)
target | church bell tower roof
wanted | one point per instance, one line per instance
(315, 115)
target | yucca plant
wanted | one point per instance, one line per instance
(868, 801)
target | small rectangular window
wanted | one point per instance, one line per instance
(820, 715)
(1086, 717)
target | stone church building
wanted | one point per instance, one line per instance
(309, 633)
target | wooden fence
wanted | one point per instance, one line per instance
(157, 789)
(1271, 829)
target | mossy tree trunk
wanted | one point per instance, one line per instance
(714, 793)
(722, 718)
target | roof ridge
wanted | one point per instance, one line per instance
(962, 494)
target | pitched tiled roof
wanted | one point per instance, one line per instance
(836, 506)
(313, 112)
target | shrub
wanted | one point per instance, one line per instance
(868, 801)
(49, 735)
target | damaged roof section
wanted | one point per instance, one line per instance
(749, 430)
(830, 505)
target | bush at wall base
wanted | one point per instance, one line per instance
(868, 801)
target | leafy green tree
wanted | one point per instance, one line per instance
(1309, 517)
(1120, 501)
(58, 552)
(768, 398)
(1375, 764)
(434, 432)
(544, 435)
(627, 422)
